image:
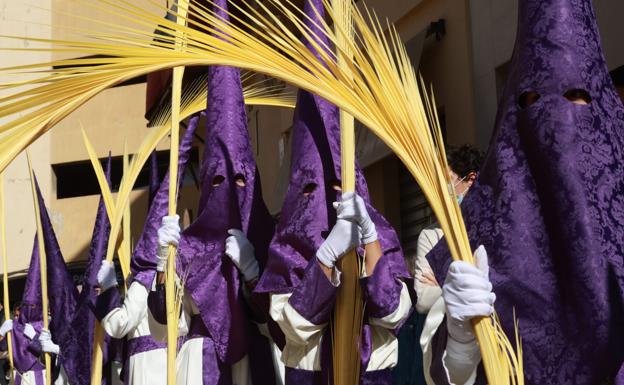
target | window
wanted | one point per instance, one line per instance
(76, 179)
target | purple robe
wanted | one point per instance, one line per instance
(143, 263)
(62, 294)
(25, 357)
(79, 340)
(549, 202)
(305, 221)
(211, 279)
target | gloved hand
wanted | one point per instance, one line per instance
(467, 293)
(29, 331)
(6, 327)
(353, 208)
(344, 236)
(45, 338)
(106, 276)
(168, 234)
(241, 252)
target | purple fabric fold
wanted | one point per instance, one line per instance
(143, 264)
(548, 204)
(231, 198)
(106, 302)
(143, 344)
(382, 290)
(213, 371)
(307, 215)
(156, 303)
(34, 347)
(306, 219)
(315, 297)
(62, 295)
(30, 312)
(39, 378)
(79, 340)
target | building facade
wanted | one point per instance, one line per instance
(461, 47)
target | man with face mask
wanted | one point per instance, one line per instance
(548, 207)
(464, 163)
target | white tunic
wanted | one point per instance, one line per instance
(303, 338)
(427, 294)
(131, 321)
(190, 358)
(29, 378)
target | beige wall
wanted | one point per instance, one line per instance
(19, 217)
(446, 64)
(117, 115)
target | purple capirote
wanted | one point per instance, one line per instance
(307, 216)
(549, 202)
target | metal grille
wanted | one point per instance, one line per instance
(415, 213)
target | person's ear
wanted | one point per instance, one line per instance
(472, 176)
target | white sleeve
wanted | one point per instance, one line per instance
(459, 360)
(295, 327)
(426, 295)
(303, 338)
(120, 321)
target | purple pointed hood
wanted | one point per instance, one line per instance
(307, 214)
(143, 264)
(30, 312)
(62, 293)
(79, 341)
(231, 198)
(549, 202)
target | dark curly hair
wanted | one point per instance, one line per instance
(464, 159)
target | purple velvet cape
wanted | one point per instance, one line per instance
(143, 264)
(549, 202)
(211, 279)
(305, 221)
(79, 340)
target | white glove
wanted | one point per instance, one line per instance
(353, 208)
(29, 331)
(241, 252)
(6, 327)
(344, 236)
(168, 234)
(45, 338)
(106, 276)
(467, 293)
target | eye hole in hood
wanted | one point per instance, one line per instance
(217, 180)
(578, 96)
(240, 180)
(309, 189)
(527, 99)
